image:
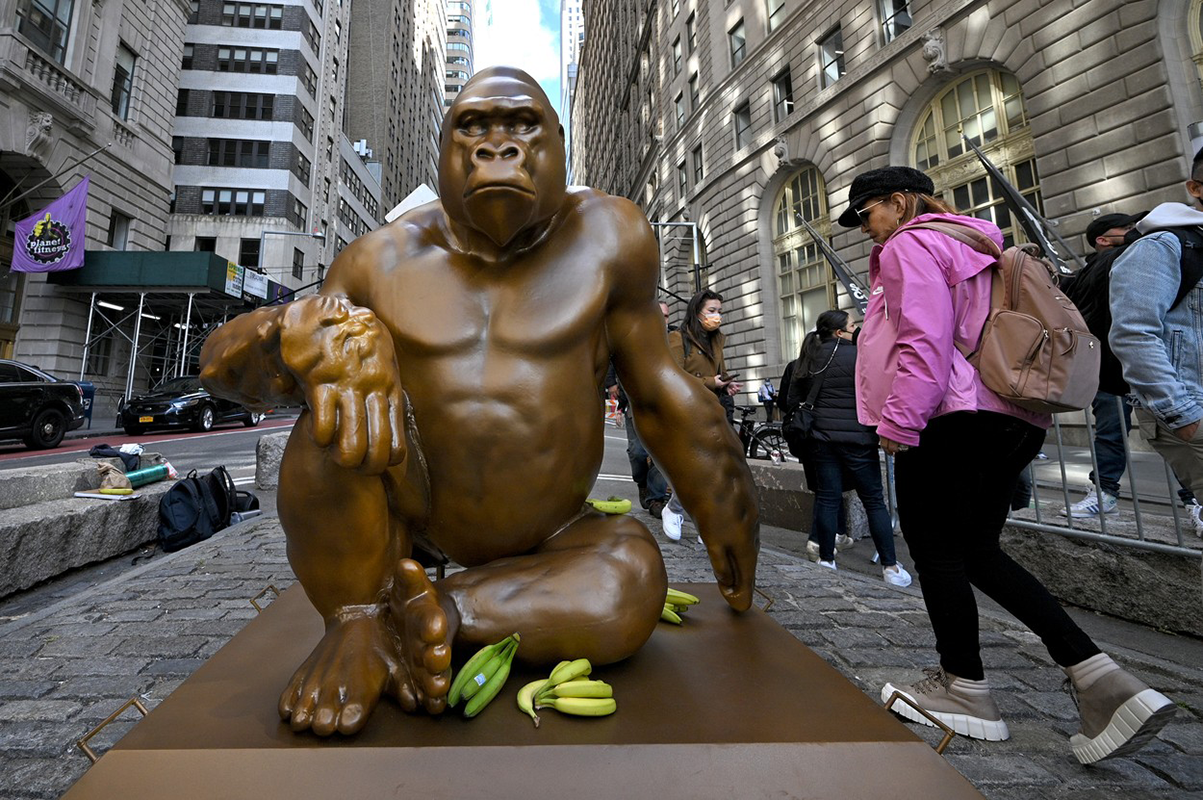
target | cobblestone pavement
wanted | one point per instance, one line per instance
(64, 666)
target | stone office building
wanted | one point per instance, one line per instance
(743, 115)
(85, 89)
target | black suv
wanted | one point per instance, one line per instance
(181, 403)
(37, 407)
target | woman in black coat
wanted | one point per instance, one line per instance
(839, 445)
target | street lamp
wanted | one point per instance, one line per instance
(263, 242)
(697, 257)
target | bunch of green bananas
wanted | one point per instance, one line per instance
(479, 681)
(613, 505)
(676, 603)
(569, 691)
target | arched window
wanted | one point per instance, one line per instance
(1195, 26)
(987, 107)
(804, 279)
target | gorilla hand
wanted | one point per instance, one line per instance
(343, 357)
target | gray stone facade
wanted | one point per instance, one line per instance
(1108, 91)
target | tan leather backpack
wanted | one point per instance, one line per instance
(1035, 349)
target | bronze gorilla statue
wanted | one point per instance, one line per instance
(450, 369)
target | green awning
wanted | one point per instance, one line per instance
(143, 271)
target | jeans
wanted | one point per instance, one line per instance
(954, 490)
(832, 462)
(1109, 444)
(643, 470)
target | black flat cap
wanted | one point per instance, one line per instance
(881, 182)
(1108, 221)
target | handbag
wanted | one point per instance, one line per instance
(798, 426)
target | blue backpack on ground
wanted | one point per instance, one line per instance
(196, 508)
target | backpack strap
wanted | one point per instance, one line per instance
(979, 242)
(1191, 240)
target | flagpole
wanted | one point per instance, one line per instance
(856, 289)
(4, 204)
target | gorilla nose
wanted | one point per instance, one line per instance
(490, 152)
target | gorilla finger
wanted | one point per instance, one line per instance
(352, 431)
(379, 437)
(323, 404)
(396, 418)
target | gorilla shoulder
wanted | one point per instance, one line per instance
(595, 203)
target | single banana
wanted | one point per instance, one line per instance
(611, 506)
(472, 667)
(493, 685)
(564, 673)
(477, 681)
(581, 706)
(526, 699)
(678, 597)
(585, 688)
(668, 615)
(116, 491)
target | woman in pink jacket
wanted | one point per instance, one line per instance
(959, 450)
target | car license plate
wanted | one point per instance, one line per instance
(146, 419)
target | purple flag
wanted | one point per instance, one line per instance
(52, 240)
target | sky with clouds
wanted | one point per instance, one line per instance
(523, 34)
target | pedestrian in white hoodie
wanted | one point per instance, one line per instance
(1157, 329)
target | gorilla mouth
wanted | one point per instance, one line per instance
(509, 187)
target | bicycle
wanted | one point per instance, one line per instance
(761, 440)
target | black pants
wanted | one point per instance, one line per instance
(954, 491)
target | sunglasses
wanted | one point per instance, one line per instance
(863, 213)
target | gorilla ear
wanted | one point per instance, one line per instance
(561, 131)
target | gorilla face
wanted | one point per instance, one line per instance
(501, 165)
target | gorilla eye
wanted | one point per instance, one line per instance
(473, 127)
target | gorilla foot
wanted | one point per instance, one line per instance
(342, 680)
(425, 637)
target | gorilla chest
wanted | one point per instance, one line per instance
(534, 308)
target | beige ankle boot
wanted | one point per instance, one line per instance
(963, 705)
(1119, 712)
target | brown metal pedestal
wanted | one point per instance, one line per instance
(726, 706)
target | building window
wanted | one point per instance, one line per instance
(691, 33)
(694, 95)
(181, 103)
(776, 13)
(238, 153)
(298, 214)
(307, 124)
(679, 109)
(123, 81)
(248, 252)
(243, 59)
(186, 61)
(242, 105)
(193, 12)
(783, 96)
(47, 24)
(698, 169)
(676, 5)
(738, 43)
(233, 202)
(309, 78)
(682, 180)
(302, 169)
(831, 58)
(895, 19)
(741, 119)
(205, 244)
(1195, 27)
(177, 148)
(248, 15)
(805, 283)
(118, 237)
(988, 108)
(677, 56)
(298, 263)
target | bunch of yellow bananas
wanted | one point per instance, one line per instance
(569, 691)
(676, 603)
(479, 681)
(613, 505)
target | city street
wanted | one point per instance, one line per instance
(72, 650)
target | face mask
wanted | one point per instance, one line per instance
(711, 321)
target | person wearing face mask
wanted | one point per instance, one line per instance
(959, 450)
(697, 347)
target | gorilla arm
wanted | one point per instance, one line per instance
(680, 422)
(327, 352)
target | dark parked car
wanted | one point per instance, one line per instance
(37, 407)
(182, 403)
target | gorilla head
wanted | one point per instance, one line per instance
(501, 161)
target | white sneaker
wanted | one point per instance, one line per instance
(1194, 510)
(843, 541)
(896, 575)
(829, 565)
(672, 523)
(1088, 506)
